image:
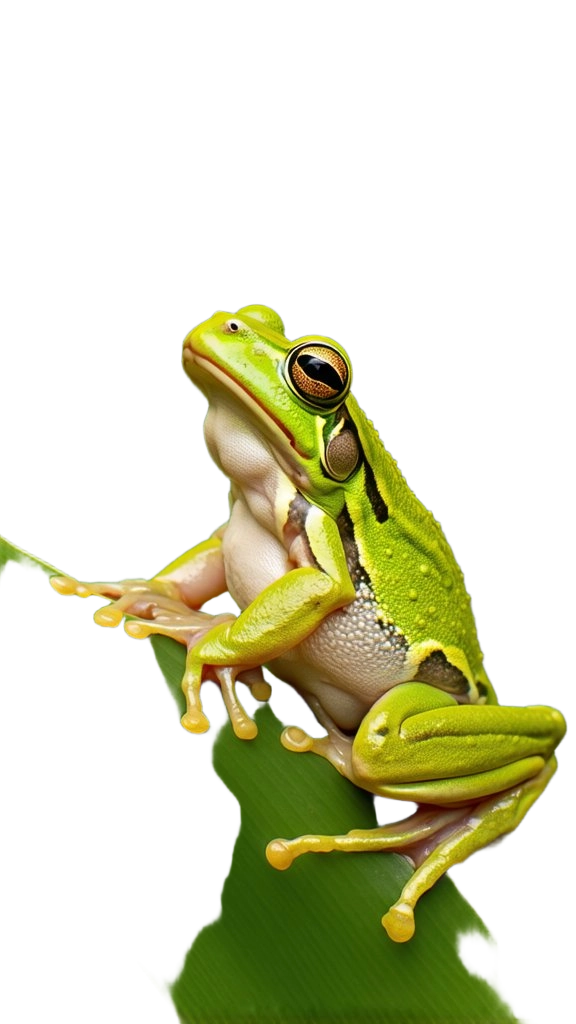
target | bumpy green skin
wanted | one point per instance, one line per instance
(416, 579)
(328, 550)
(415, 575)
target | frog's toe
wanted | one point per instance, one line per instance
(196, 673)
(63, 584)
(69, 587)
(162, 625)
(254, 680)
(110, 616)
(279, 854)
(139, 630)
(244, 727)
(135, 601)
(195, 721)
(399, 922)
(260, 690)
(295, 739)
(137, 598)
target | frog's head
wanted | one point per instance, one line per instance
(292, 392)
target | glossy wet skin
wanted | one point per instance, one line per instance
(348, 590)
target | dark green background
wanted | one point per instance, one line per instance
(401, 179)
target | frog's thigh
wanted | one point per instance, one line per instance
(417, 743)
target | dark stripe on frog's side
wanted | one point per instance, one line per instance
(439, 672)
(358, 574)
(379, 506)
(346, 531)
(296, 524)
(297, 512)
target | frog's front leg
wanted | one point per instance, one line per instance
(280, 617)
(481, 766)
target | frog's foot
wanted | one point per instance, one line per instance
(147, 599)
(154, 609)
(432, 839)
(336, 747)
(188, 627)
(194, 718)
(456, 835)
(399, 836)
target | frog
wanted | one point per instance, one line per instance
(347, 590)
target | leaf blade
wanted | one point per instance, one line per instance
(306, 944)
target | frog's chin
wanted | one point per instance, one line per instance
(217, 385)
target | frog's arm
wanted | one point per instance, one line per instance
(282, 615)
(485, 764)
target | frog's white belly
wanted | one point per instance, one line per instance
(253, 557)
(347, 663)
(350, 660)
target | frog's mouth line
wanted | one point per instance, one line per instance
(189, 357)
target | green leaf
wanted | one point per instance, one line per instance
(306, 944)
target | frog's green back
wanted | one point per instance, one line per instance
(414, 573)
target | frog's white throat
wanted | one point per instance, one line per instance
(242, 447)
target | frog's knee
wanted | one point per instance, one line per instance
(557, 725)
(366, 762)
(376, 741)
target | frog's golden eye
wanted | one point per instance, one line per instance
(231, 327)
(318, 373)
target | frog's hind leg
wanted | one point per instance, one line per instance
(433, 839)
(479, 826)
(474, 769)
(419, 827)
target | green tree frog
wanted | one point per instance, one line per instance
(349, 591)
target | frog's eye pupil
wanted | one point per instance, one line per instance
(318, 373)
(234, 326)
(320, 370)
